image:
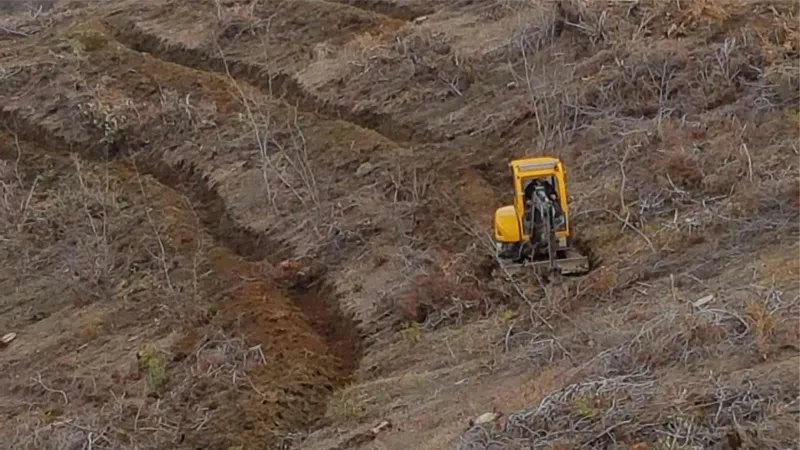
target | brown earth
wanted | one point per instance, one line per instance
(235, 224)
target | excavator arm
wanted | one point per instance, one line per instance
(542, 231)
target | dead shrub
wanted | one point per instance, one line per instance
(435, 299)
(236, 20)
(744, 203)
(431, 61)
(591, 26)
(537, 32)
(763, 323)
(700, 332)
(722, 181)
(682, 168)
(790, 194)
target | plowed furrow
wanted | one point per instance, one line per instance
(275, 83)
(388, 8)
(209, 206)
(318, 303)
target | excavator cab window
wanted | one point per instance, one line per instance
(549, 184)
(550, 187)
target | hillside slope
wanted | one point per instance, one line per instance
(252, 224)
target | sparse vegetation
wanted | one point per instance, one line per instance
(241, 224)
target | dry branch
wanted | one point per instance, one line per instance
(38, 380)
(162, 248)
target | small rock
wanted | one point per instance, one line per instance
(365, 169)
(215, 358)
(7, 338)
(486, 418)
(289, 265)
(385, 425)
(289, 269)
(420, 19)
(703, 301)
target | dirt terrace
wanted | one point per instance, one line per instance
(248, 224)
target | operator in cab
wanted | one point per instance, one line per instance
(550, 191)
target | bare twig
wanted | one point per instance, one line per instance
(13, 32)
(196, 257)
(79, 172)
(749, 162)
(19, 157)
(27, 203)
(262, 138)
(628, 225)
(452, 84)
(147, 209)
(40, 382)
(531, 93)
(623, 206)
(307, 173)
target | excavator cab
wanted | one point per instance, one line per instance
(535, 229)
(536, 188)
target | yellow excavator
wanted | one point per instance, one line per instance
(535, 231)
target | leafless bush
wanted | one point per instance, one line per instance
(235, 19)
(553, 105)
(554, 420)
(282, 148)
(630, 409)
(78, 229)
(673, 338)
(64, 434)
(585, 18)
(533, 34)
(223, 355)
(16, 199)
(408, 185)
(780, 88)
(429, 58)
(435, 299)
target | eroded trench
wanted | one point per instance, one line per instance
(277, 83)
(315, 298)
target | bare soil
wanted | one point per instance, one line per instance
(235, 224)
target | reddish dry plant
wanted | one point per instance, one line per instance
(682, 169)
(429, 294)
(793, 195)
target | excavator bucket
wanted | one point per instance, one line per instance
(573, 263)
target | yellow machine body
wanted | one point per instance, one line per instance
(552, 249)
(508, 219)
